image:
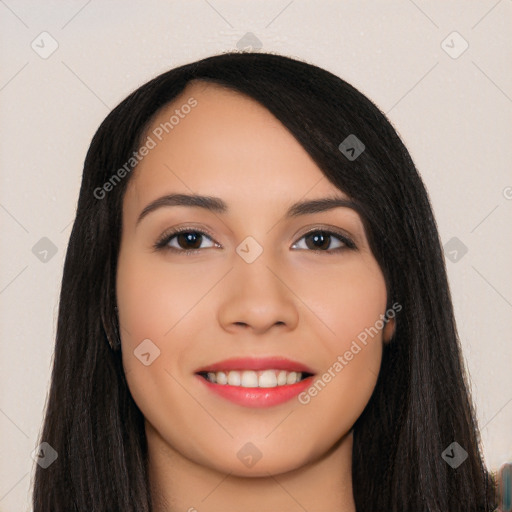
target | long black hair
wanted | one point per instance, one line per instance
(421, 402)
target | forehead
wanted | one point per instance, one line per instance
(226, 145)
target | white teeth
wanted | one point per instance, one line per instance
(249, 379)
(253, 379)
(234, 378)
(268, 379)
(221, 377)
(291, 378)
(281, 377)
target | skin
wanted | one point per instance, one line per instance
(300, 303)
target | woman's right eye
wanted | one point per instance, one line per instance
(175, 240)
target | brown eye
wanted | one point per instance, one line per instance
(322, 240)
(189, 240)
(319, 240)
(185, 240)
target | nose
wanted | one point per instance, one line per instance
(256, 297)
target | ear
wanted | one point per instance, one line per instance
(389, 330)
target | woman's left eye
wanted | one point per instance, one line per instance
(321, 238)
(189, 241)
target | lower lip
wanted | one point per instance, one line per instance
(257, 397)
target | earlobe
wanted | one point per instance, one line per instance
(389, 330)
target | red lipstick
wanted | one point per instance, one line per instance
(259, 397)
(256, 363)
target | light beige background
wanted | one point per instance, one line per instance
(454, 115)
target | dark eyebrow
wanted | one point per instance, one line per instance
(215, 204)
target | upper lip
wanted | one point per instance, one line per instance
(256, 364)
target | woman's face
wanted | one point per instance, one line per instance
(257, 286)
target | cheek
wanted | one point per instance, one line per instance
(154, 298)
(161, 302)
(348, 301)
(156, 303)
(150, 304)
(350, 304)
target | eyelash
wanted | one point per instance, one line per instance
(162, 243)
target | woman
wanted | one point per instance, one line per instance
(255, 311)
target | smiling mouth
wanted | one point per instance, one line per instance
(270, 378)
